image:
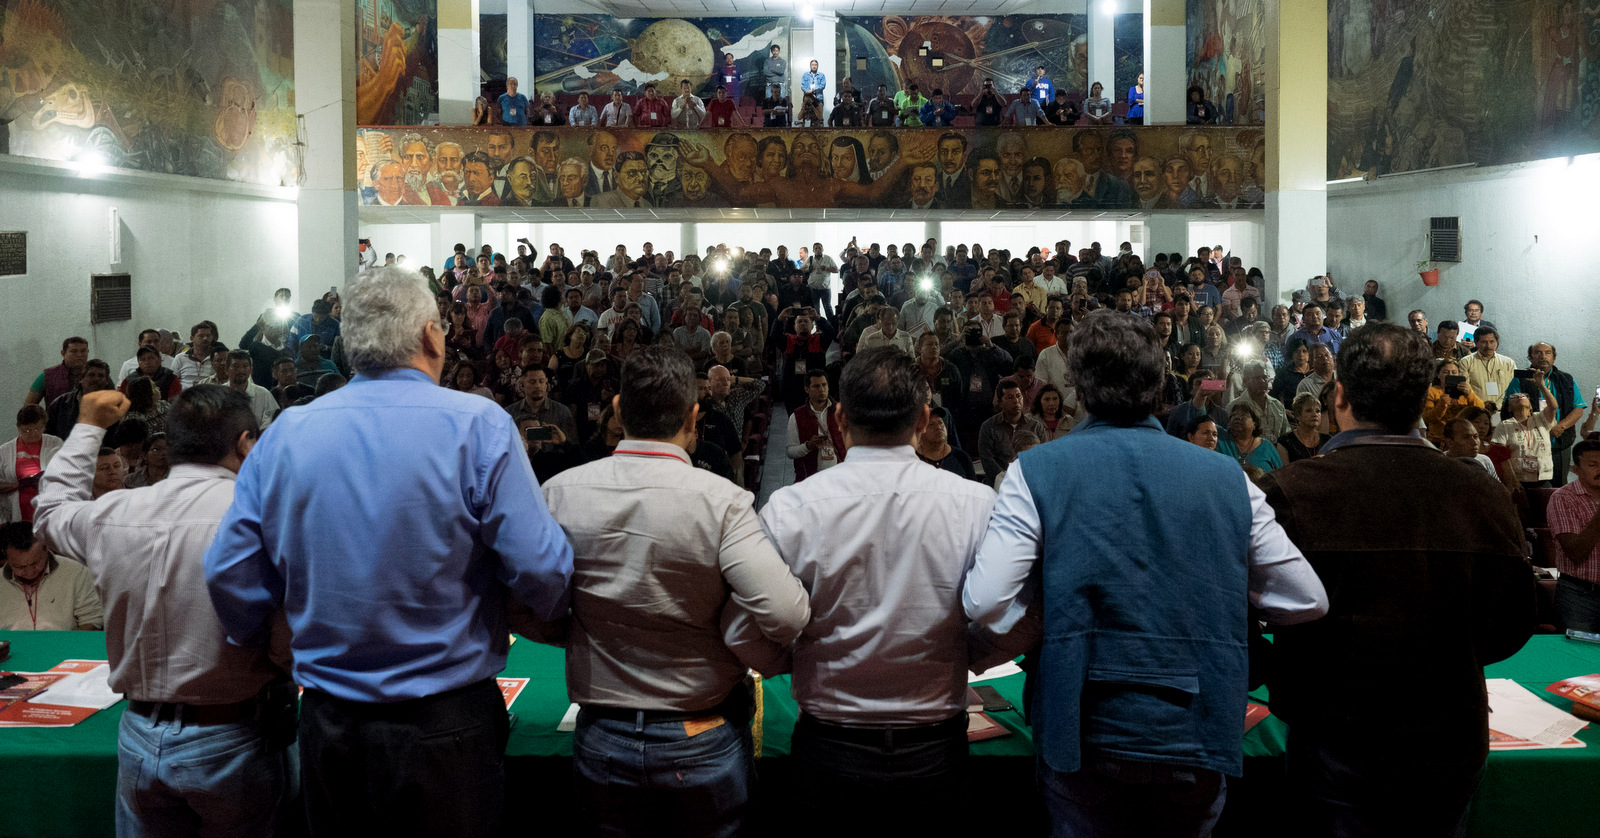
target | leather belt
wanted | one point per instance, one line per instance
(890, 736)
(197, 714)
(1581, 584)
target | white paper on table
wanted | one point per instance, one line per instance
(81, 689)
(569, 722)
(1516, 711)
(1003, 670)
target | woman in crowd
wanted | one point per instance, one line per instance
(1289, 376)
(504, 373)
(1136, 102)
(1189, 362)
(1202, 431)
(1445, 401)
(933, 447)
(574, 348)
(1154, 294)
(146, 404)
(1306, 438)
(626, 338)
(1214, 354)
(1048, 407)
(1526, 436)
(461, 338)
(1244, 442)
(1097, 107)
(156, 465)
(465, 379)
(22, 460)
(607, 436)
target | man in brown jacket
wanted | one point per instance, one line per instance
(1423, 594)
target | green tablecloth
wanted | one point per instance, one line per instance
(62, 781)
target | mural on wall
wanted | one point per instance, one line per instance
(1418, 84)
(492, 56)
(598, 53)
(1128, 33)
(1164, 168)
(397, 53)
(204, 90)
(1227, 56)
(956, 53)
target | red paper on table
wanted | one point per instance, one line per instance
(1584, 689)
(1254, 713)
(510, 688)
(29, 713)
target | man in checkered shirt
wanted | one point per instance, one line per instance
(1574, 516)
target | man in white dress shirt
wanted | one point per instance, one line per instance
(881, 543)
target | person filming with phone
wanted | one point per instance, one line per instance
(1569, 406)
(1205, 394)
(1448, 396)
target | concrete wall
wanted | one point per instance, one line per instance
(195, 252)
(1528, 237)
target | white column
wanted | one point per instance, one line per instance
(1103, 46)
(1165, 234)
(460, 72)
(1166, 75)
(519, 43)
(1297, 150)
(455, 228)
(799, 53)
(325, 95)
(689, 239)
(824, 49)
(933, 230)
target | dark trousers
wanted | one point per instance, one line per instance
(1561, 459)
(1578, 603)
(854, 782)
(427, 766)
(1343, 786)
(1112, 798)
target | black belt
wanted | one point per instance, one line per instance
(1581, 584)
(889, 735)
(197, 714)
(735, 706)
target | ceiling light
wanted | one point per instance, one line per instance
(807, 12)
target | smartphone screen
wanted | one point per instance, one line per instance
(541, 434)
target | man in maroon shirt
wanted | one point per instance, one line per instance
(721, 112)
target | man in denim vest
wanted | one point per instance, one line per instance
(1147, 555)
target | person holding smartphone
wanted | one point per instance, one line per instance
(1448, 396)
(1527, 435)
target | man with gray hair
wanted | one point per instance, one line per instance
(391, 520)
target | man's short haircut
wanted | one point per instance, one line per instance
(1007, 385)
(1447, 326)
(1455, 425)
(31, 414)
(1119, 364)
(1588, 445)
(142, 333)
(72, 340)
(207, 324)
(97, 364)
(882, 392)
(147, 350)
(239, 355)
(1483, 332)
(205, 421)
(1386, 371)
(658, 390)
(18, 536)
(1471, 303)
(385, 311)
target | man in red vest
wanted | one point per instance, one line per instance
(815, 441)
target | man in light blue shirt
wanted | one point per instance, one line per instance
(583, 114)
(390, 521)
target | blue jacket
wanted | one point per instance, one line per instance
(936, 115)
(1145, 584)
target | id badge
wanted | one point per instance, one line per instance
(594, 411)
(883, 114)
(1491, 389)
(721, 122)
(1530, 466)
(547, 119)
(988, 109)
(800, 366)
(975, 384)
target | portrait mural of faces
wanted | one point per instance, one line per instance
(397, 55)
(1418, 84)
(956, 53)
(1227, 57)
(1165, 168)
(206, 91)
(598, 53)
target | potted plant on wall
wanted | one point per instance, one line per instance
(1429, 274)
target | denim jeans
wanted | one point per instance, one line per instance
(218, 781)
(848, 788)
(824, 298)
(657, 779)
(1112, 797)
(1577, 605)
